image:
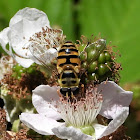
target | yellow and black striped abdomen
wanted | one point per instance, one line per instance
(68, 66)
(68, 58)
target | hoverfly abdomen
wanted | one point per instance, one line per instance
(68, 66)
(68, 58)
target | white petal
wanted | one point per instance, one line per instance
(4, 39)
(23, 25)
(17, 40)
(43, 95)
(114, 98)
(70, 133)
(31, 14)
(39, 123)
(99, 129)
(23, 61)
(114, 124)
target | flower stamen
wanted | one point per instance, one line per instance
(47, 38)
(83, 112)
(43, 45)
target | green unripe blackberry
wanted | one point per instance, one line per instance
(100, 45)
(109, 65)
(107, 56)
(92, 76)
(92, 67)
(93, 50)
(102, 69)
(18, 70)
(31, 70)
(92, 55)
(90, 47)
(17, 67)
(97, 62)
(101, 58)
(84, 65)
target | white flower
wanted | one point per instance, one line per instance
(22, 27)
(46, 101)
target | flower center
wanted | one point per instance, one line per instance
(83, 112)
(43, 45)
(47, 38)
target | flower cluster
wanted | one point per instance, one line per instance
(31, 39)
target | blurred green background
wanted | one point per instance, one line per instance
(118, 21)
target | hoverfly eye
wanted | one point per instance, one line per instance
(63, 82)
(73, 82)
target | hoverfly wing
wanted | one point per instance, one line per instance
(43, 55)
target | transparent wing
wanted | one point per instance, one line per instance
(43, 55)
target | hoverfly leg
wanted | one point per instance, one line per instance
(72, 96)
(54, 61)
(67, 95)
(77, 69)
(82, 90)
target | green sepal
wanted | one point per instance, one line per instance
(15, 126)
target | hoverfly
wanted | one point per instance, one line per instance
(68, 64)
